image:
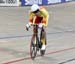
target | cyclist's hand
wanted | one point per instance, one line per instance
(27, 27)
(40, 25)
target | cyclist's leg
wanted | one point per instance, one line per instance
(43, 38)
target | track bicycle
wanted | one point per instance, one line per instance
(36, 42)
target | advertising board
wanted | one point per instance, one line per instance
(9, 2)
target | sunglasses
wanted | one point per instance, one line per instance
(36, 11)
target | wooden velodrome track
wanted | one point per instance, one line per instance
(15, 40)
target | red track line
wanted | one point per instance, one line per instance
(27, 58)
(58, 51)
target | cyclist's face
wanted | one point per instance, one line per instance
(38, 13)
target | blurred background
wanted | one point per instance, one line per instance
(30, 2)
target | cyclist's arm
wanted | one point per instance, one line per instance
(31, 17)
(45, 17)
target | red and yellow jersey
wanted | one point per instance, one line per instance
(42, 18)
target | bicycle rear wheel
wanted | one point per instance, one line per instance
(42, 52)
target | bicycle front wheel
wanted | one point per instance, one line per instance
(33, 48)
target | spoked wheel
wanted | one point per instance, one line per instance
(33, 49)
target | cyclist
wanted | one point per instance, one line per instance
(41, 16)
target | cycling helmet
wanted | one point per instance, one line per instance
(34, 8)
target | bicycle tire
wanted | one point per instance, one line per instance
(33, 48)
(42, 52)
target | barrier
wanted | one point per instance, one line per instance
(42, 2)
(9, 2)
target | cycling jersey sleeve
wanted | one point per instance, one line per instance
(45, 16)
